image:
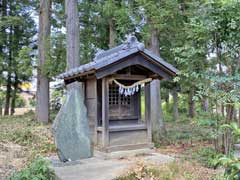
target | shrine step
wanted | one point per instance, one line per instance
(128, 127)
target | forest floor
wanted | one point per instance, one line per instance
(22, 140)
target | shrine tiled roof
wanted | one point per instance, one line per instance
(105, 58)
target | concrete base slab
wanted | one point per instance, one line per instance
(106, 166)
(95, 170)
(124, 154)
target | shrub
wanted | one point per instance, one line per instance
(39, 169)
(33, 102)
(57, 98)
(208, 157)
(232, 167)
(20, 101)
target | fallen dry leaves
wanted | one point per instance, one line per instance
(176, 170)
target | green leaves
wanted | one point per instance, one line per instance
(39, 169)
(207, 156)
(208, 59)
(24, 65)
(56, 59)
(232, 167)
(235, 130)
(7, 21)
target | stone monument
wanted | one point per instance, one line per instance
(71, 129)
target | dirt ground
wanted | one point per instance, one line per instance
(22, 111)
(12, 158)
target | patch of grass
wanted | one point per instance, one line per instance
(185, 130)
(39, 169)
(25, 131)
(207, 157)
(23, 137)
(130, 176)
(52, 115)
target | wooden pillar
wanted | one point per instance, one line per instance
(138, 105)
(148, 111)
(105, 109)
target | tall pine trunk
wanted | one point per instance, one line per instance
(3, 13)
(9, 75)
(112, 34)
(42, 110)
(8, 95)
(14, 95)
(175, 104)
(158, 127)
(191, 104)
(205, 104)
(72, 38)
(72, 35)
(14, 64)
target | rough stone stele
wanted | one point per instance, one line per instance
(71, 129)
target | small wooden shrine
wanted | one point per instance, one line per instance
(117, 94)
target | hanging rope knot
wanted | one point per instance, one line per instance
(131, 89)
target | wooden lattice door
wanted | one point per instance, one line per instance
(120, 106)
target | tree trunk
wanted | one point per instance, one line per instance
(158, 127)
(235, 114)
(227, 134)
(14, 94)
(14, 69)
(72, 35)
(238, 117)
(9, 75)
(166, 98)
(3, 13)
(175, 104)
(8, 95)
(222, 109)
(3, 7)
(191, 104)
(205, 104)
(112, 34)
(1, 46)
(42, 110)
